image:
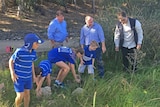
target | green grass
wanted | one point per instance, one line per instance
(115, 90)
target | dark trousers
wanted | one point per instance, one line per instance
(129, 59)
(99, 61)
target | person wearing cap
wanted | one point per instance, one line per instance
(57, 30)
(22, 68)
(93, 31)
(60, 57)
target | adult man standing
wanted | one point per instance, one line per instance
(57, 30)
(93, 31)
(128, 36)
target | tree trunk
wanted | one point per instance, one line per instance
(2, 6)
(20, 9)
(93, 6)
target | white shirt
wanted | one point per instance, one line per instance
(129, 35)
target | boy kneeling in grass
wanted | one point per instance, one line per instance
(43, 71)
(65, 58)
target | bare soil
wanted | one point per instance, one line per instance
(15, 28)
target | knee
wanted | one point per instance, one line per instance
(67, 68)
(20, 96)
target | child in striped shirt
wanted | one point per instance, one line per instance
(43, 71)
(22, 68)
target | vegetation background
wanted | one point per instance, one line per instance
(118, 88)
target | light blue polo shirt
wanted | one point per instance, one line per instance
(57, 31)
(94, 33)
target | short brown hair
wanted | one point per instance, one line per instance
(59, 12)
(94, 43)
(79, 50)
(38, 70)
(122, 13)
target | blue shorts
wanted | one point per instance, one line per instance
(21, 85)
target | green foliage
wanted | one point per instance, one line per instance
(117, 90)
(146, 11)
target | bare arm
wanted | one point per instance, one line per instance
(82, 46)
(93, 60)
(103, 47)
(40, 82)
(39, 85)
(33, 74)
(14, 77)
(72, 66)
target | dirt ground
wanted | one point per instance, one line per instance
(14, 28)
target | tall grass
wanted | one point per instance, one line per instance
(117, 90)
(148, 14)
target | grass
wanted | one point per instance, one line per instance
(116, 90)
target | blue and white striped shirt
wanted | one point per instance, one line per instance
(23, 59)
(46, 67)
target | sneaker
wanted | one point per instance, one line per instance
(61, 85)
(56, 84)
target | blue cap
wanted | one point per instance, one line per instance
(30, 38)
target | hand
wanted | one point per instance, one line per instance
(14, 77)
(67, 39)
(94, 67)
(117, 49)
(82, 62)
(138, 47)
(38, 92)
(52, 43)
(35, 80)
(78, 79)
(103, 49)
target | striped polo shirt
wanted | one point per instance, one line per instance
(23, 59)
(46, 67)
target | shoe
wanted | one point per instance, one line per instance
(61, 85)
(56, 84)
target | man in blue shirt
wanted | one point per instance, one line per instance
(22, 68)
(57, 30)
(92, 31)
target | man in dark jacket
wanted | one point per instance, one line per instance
(128, 37)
